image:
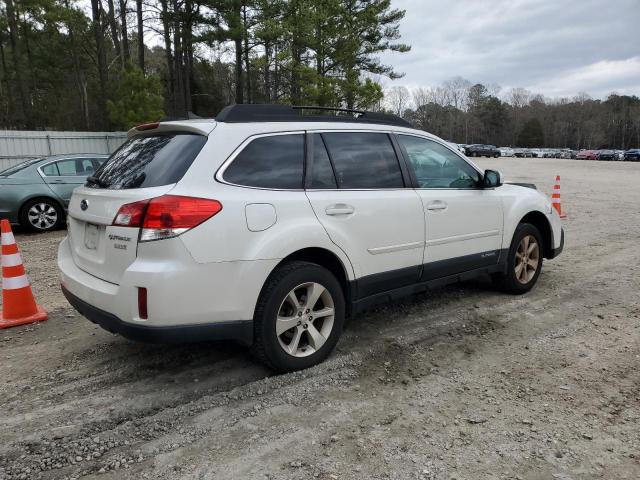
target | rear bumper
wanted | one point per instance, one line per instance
(241, 331)
(187, 301)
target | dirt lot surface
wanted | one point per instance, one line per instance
(461, 383)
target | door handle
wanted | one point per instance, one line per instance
(339, 209)
(437, 205)
(57, 181)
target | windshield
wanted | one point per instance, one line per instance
(148, 161)
(16, 168)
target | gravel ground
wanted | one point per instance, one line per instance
(461, 383)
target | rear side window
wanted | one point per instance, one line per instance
(50, 170)
(276, 161)
(363, 160)
(149, 161)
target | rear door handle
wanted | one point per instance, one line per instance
(339, 209)
(437, 205)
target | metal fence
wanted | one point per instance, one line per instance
(19, 145)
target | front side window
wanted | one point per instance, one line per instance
(436, 166)
(363, 160)
(275, 161)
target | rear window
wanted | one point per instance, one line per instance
(18, 168)
(149, 161)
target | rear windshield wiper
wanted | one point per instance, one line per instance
(137, 181)
(97, 181)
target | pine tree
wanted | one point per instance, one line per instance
(531, 134)
(135, 99)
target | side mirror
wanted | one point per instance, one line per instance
(492, 179)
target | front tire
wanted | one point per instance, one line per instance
(299, 317)
(524, 261)
(41, 215)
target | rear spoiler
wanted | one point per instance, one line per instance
(200, 127)
(527, 185)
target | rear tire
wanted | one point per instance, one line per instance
(524, 261)
(41, 215)
(299, 317)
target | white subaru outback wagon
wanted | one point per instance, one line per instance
(269, 225)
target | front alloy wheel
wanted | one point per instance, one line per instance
(524, 261)
(527, 259)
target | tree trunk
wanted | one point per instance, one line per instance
(81, 83)
(247, 65)
(166, 25)
(267, 72)
(276, 74)
(17, 65)
(140, 35)
(4, 82)
(96, 10)
(187, 53)
(124, 34)
(177, 61)
(239, 79)
(111, 17)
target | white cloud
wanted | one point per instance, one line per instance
(555, 47)
(598, 79)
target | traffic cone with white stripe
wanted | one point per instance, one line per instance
(555, 198)
(18, 305)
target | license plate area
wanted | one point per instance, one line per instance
(91, 236)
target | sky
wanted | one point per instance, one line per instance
(554, 47)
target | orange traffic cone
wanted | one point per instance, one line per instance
(555, 198)
(18, 305)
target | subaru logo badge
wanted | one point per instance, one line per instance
(84, 204)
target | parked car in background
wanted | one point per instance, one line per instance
(537, 152)
(606, 155)
(619, 155)
(632, 155)
(479, 150)
(587, 155)
(506, 151)
(567, 153)
(522, 153)
(36, 193)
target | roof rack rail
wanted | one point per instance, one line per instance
(289, 113)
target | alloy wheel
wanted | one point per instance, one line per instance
(527, 259)
(42, 216)
(305, 319)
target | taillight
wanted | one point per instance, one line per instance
(148, 126)
(167, 216)
(131, 214)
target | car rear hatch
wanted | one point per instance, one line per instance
(147, 166)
